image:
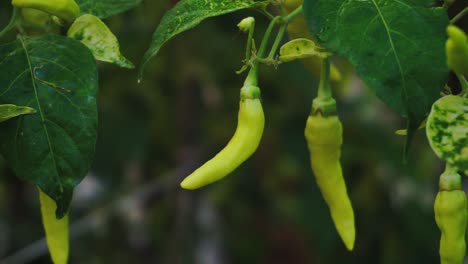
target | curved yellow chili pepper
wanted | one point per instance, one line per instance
(243, 144)
(450, 209)
(56, 230)
(324, 135)
(67, 10)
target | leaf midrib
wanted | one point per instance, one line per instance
(41, 114)
(392, 45)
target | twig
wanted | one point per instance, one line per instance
(459, 15)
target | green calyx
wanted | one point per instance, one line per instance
(325, 106)
(450, 180)
(250, 92)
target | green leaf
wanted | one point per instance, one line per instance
(447, 130)
(106, 8)
(396, 46)
(9, 111)
(92, 32)
(186, 15)
(55, 147)
(301, 48)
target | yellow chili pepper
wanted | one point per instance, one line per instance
(324, 136)
(56, 230)
(456, 49)
(67, 10)
(243, 144)
(450, 209)
(324, 139)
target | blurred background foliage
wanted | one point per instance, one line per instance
(129, 209)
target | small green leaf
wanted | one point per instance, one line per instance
(186, 15)
(397, 48)
(8, 111)
(92, 32)
(53, 148)
(106, 8)
(447, 130)
(301, 48)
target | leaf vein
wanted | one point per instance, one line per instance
(392, 45)
(39, 108)
(13, 82)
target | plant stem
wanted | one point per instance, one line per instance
(324, 104)
(13, 22)
(265, 13)
(459, 15)
(324, 90)
(293, 14)
(285, 21)
(266, 37)
(253, 73)
(464, 84)
(277, 42)
(248, 50)
(447, 3)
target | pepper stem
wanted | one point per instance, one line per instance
(464, 84)
(324, 103)
(324, 90)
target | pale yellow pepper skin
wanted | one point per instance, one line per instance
(57, 234)
(67, 10)
(324, 136)
(251, 122)
(297, 28)
(450, 209)
(456, 49)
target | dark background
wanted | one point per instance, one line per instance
(130, 209)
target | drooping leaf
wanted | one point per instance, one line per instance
(297, 28)
(447, 130)
(396, 46)
(92, 32)
(9, 111)
(301, 48)
(189, 13)
(106, 8)
(53, 148)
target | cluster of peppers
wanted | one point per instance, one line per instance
(323, 134)
(450, 144)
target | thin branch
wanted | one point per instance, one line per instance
(13, 22)
(459, 15)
